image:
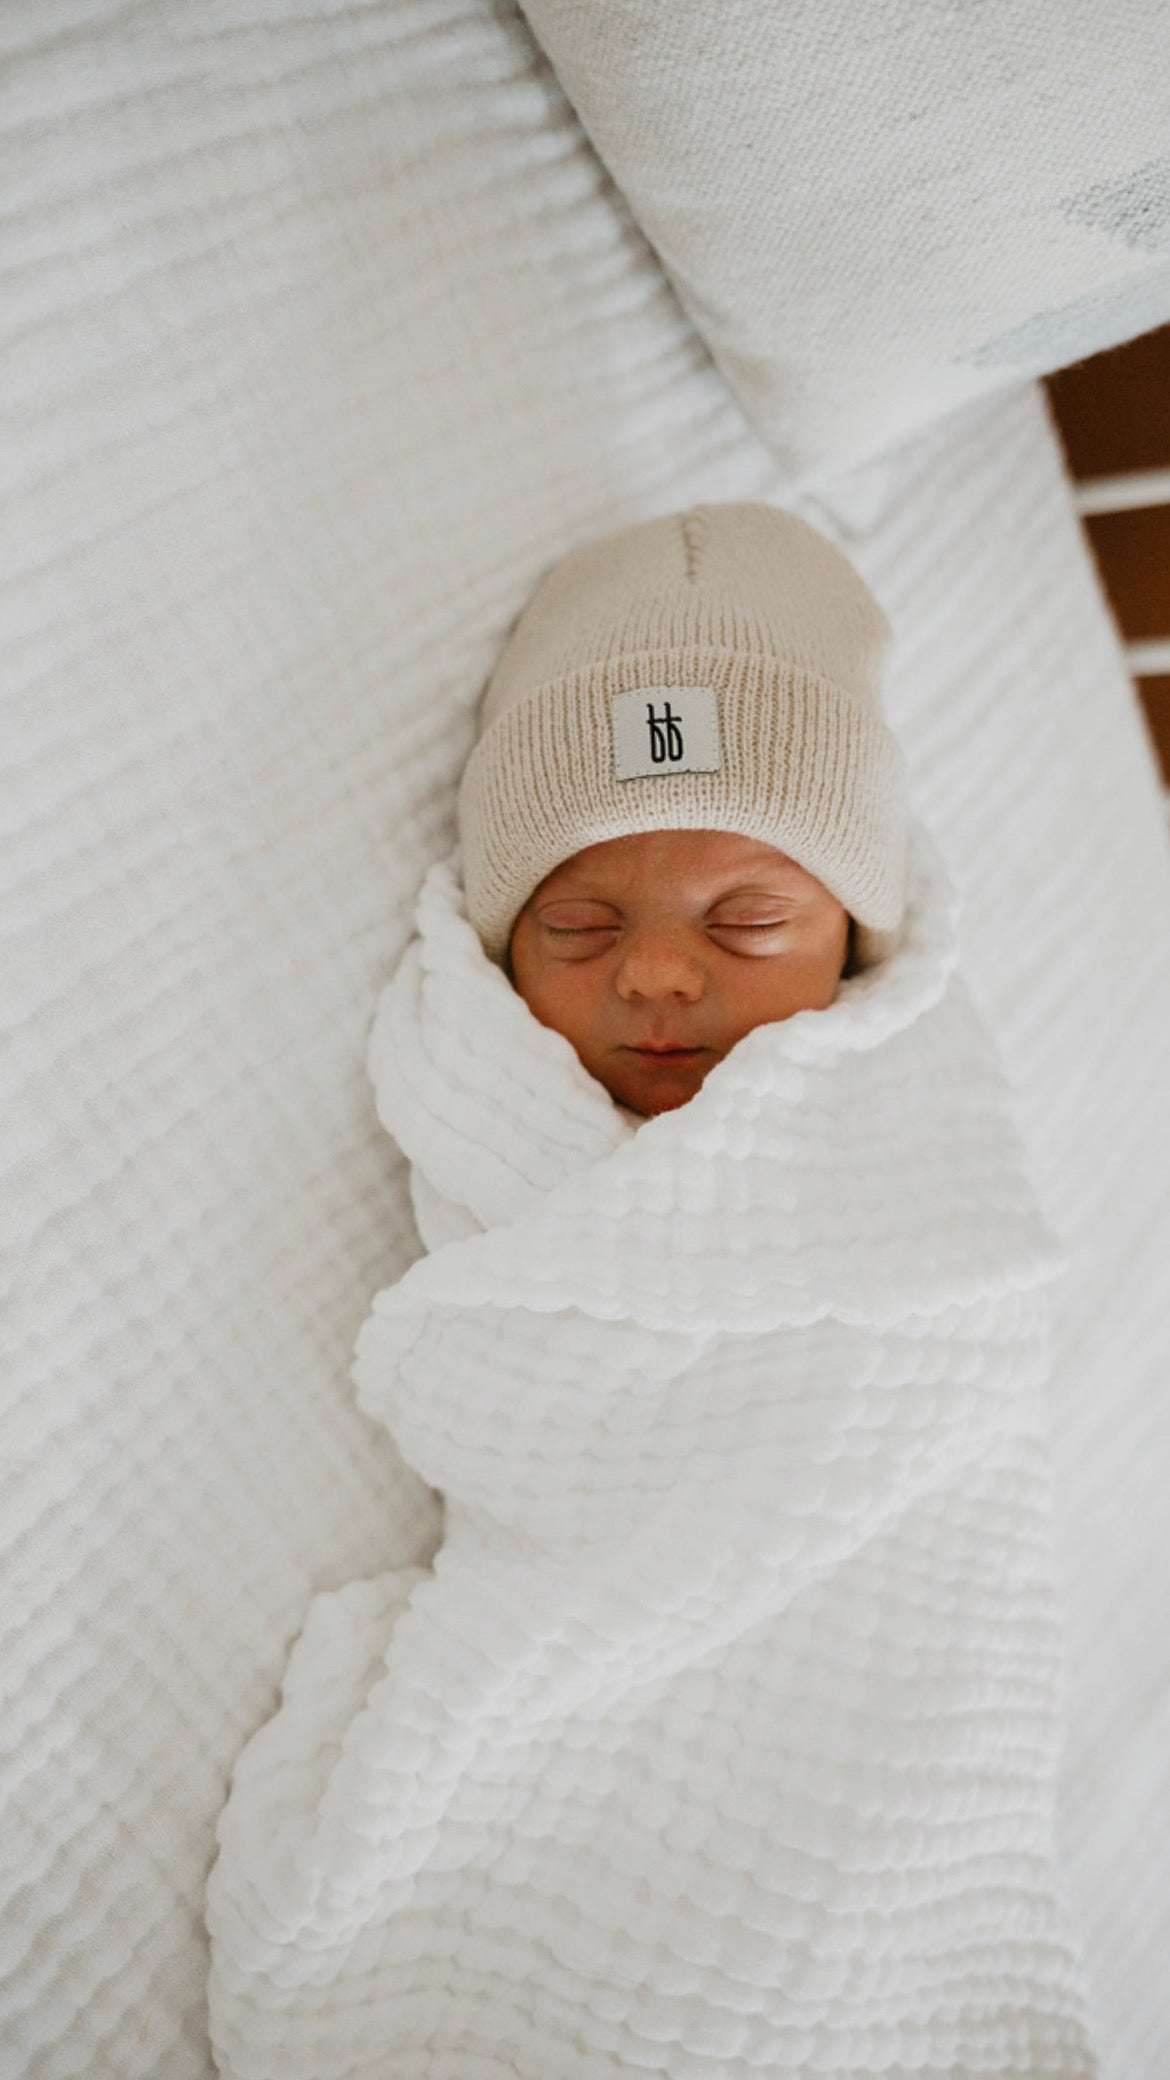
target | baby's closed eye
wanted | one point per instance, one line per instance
(751, 922)
(579, 922)
(747, 924)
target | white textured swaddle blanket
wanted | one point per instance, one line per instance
(722, 1737)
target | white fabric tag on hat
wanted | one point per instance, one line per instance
(665, 729)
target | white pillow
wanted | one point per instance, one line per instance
(875, 214)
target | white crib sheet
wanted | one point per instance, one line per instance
(321, 340)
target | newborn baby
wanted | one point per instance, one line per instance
(654, 954)
(685, 816)
(722, 1734)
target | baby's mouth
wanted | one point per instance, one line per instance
(654, 1052)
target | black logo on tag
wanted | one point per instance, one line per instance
(666, 737)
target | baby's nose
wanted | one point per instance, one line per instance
(656, 964)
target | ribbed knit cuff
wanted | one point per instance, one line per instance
(804, 768)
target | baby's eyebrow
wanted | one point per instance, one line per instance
(574, 895)
(758, 891)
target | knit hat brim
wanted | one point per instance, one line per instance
(802, 767)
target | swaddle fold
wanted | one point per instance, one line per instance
(722, 1736)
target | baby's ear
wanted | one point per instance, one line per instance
(850, 967)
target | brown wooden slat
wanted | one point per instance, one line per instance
(1154, 695)
(1133, 555)
(1113, 411)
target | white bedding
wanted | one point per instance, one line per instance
(724, 1734)
(321, 342)
(877, 215)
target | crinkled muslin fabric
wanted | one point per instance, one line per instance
(723, 1734)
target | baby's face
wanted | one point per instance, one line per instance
(654, 954)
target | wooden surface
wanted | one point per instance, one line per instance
(1155, 695)
(1133, 556)
(1113, 413)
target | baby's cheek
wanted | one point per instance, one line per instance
(779, 989)
(587, 1024)
(565, 999)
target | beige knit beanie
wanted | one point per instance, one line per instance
(716, 669)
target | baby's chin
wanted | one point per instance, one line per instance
(649, 1087)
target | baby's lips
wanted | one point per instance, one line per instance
(665, 1049)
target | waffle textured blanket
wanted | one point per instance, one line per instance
(722, 1737)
